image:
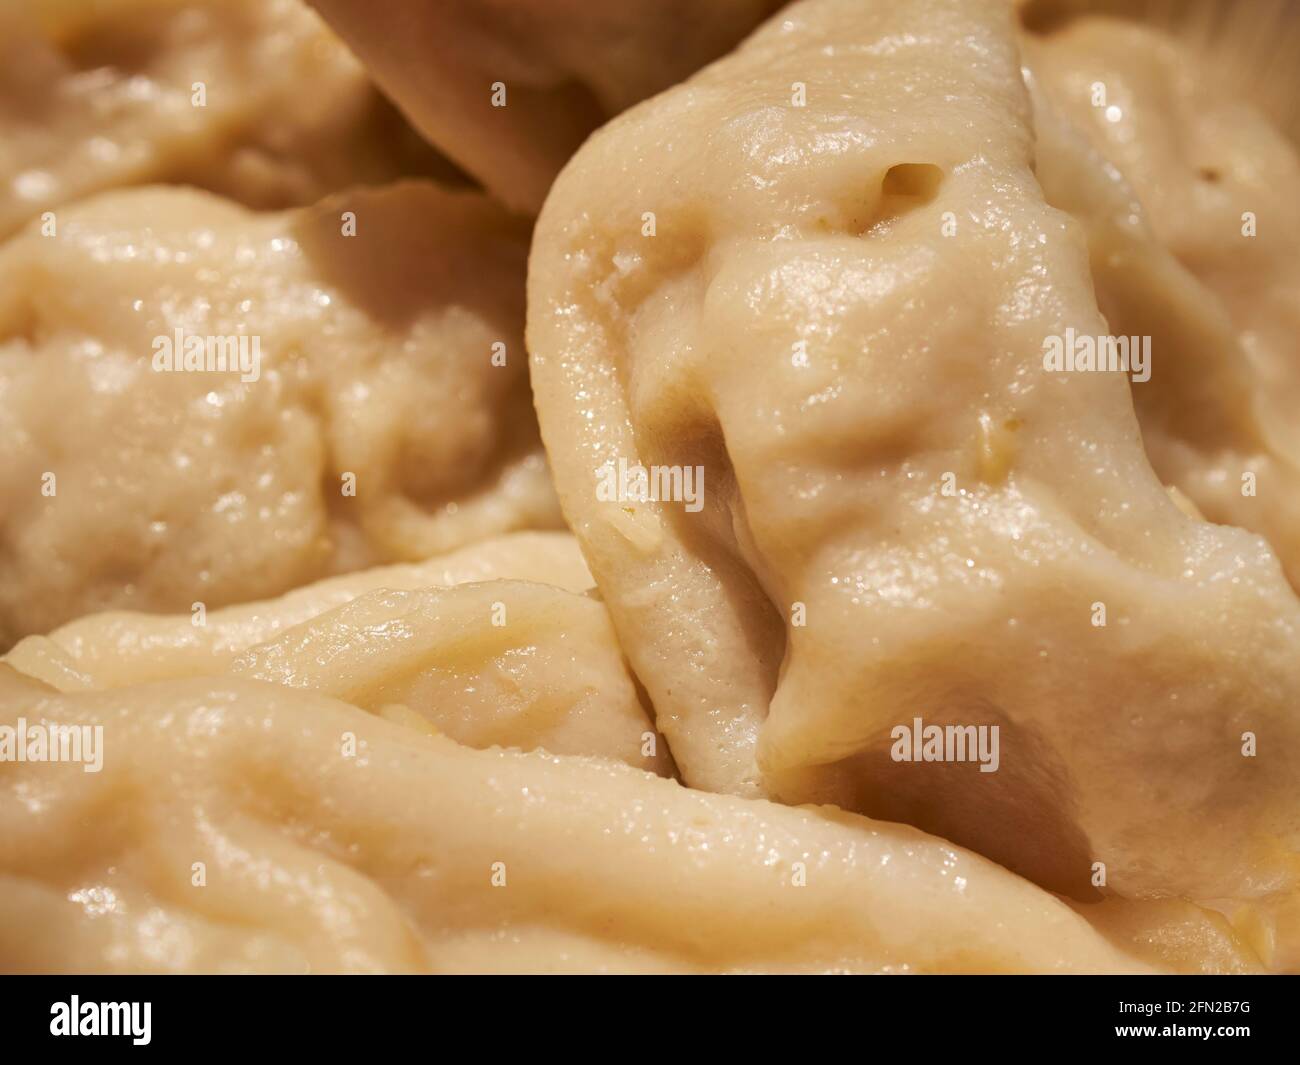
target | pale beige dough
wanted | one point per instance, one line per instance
(380, 428)
(95, 96)
(494, 645)
(550, 676)
(112, 650)
(1220, 416)
(384, 861)
(566, 67)
(841, 316)
(822, 269)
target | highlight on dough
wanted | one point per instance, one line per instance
(734, 486)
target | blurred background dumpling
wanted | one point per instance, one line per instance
(1185, 178)
(510, 88)
(254, 99)
(387, 417)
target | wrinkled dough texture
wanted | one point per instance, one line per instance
(346, 761)
(476, 649)
(97, 96)
(379, 426)
(804, 325)
(231, 830)
(1223, 309)
(493, 645)
(116, 649)
(565, 66)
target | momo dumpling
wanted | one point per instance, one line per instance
(1194, 230)
(822, 275)
(117, 648)
(495, 664)
(211, 93)
(204, 404)
(393, 821)
(259, 828)
(510, 88)
(493, 645)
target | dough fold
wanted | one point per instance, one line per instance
(380, 412)
(230, 830)
(1193, 227)
(210, 93)
(511, 88)
(823, 272)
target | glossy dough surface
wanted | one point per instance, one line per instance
(210, 93)
(510, 88)
(839, 313)
(331, 839)
(379, 426)
(384, 861)
(352, 719)
(1193, 237)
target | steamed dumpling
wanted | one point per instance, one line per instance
(387, 417)
(510, 88)
(114, 649)
(258, 828)
(1200, 175)
(393, 834)
(493, 645)
(95, 96)
(823, 271)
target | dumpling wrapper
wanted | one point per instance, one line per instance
(841, 316)
(95, 96)
(488, 646)
(494, 645)
(1194, 231)
(117, 648)
(388, 418)
(240, 826)
(564, 68)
